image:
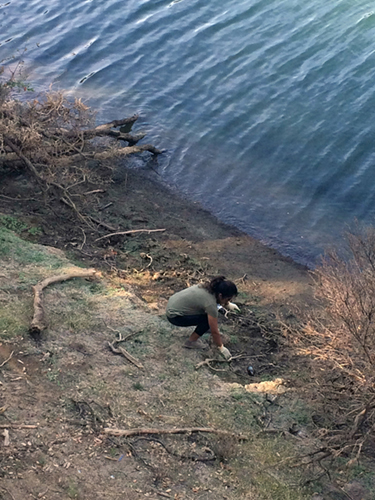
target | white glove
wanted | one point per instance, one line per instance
(233, 307)
(225, 352)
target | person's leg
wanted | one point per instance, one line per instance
(200, 321)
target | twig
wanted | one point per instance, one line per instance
(105, 206)
(17, 199)
(161, 493)
(129, 357)
(94, 192)
(243, 279)
(122, 339)
(187, 430)
(131, 232)
(69, 202)
(103, 224)
(26, 161)
(84, 240)
(17, 426)
(151, 260)
(186, 457)
(6, 361)
(9, 493)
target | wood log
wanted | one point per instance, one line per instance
(38, 323)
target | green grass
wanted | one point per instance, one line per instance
(137, 386)
(24, 252)
(14, 318)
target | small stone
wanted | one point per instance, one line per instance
(250, 371)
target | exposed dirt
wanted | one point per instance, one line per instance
(71, 386)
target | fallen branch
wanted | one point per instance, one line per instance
(129, 357)
(130, 232)
(38, 322)
(188, 430)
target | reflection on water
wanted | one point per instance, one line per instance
(264, 107)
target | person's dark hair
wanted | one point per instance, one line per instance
(221, 285)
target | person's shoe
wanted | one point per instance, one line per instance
(196, 344)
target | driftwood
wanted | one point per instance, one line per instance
(183, 430)
(38, 322)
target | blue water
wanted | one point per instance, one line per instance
(266, 108)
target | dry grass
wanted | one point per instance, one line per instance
(78, 386)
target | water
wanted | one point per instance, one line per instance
(265, 107)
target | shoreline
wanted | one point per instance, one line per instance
(191, 229)
(137, 199)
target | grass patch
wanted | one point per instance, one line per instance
(137, 386)
(24, 252)
(15, 315)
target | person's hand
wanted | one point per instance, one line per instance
(233, 307)
(225, 352)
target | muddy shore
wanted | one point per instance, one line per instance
(135, 200)
(273, 280)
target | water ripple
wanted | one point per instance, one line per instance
(264, 104)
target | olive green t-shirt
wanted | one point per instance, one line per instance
(193, 300)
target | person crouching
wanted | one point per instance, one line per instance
(198, 306)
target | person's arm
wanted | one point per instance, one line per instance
(214, 327)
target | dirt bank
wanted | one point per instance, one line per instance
(70, 386)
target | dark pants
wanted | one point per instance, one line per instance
(198, 320)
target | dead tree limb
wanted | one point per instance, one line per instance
(187, 430)
(38, 322)
(130, 232)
